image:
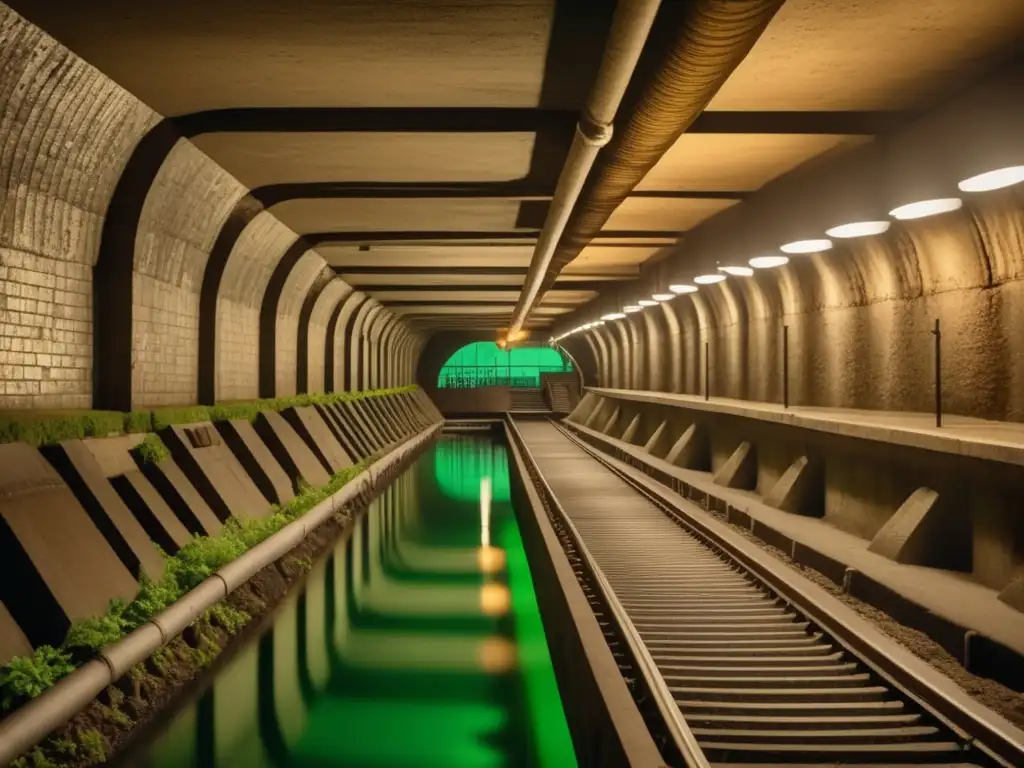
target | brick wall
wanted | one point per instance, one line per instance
(66, 135)
(299, 282)
(325, 305)
(66, 132)
(246, 273)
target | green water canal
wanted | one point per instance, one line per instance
(418, 642)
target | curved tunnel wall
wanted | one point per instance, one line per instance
(93, 182)
(860, 319)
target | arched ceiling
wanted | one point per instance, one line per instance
(416, 143)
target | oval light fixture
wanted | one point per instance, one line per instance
(647, 303)
(737, 271)
(859, 229)
(613, 316)
(631, 308)
(923, 208)
(663, 296)
(681, 288)
(806, 246)
(767, 262)
(997, 179)
(708, 279)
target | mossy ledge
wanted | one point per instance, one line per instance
(123, 713)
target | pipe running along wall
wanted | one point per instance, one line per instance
(714, 36)
(630, 26)
(32, 722)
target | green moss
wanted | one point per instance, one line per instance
(25, 677)
(38, 428)
(227, 617)
(92, 746)
(152, 450)
(138, 421)
(96, 633)
(64, 746)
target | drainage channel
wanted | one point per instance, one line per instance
(754, 679)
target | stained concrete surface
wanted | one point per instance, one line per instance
(87, 480)
(258, 460)
(55, 564)
(312, 428)
(215, 472)
(290, 451)
(113, 454)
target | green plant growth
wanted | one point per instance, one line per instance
(93, 747)
(25, 677)
(152, 450)
(39, 428)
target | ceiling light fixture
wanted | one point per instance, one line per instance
(924, 208)
(647, 303)
(631, 308)
(997, 179)
(708, 279)
(663, 296)
(681, 288)
(767, 262)
(737, 271)
(858, 229)
(613, 316)
(806, 246)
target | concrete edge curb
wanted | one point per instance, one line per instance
(31, 723)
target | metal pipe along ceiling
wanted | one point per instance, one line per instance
(630, 25)
(713, 38)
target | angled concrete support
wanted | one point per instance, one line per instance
(740, 471)
(927, 529)
(660, 441)
(584, 408)
(801, 489)
(690, 451)
(612, 421)
(632, 429)
(599, 412)
(1013, 593)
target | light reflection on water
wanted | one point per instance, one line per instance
(413, 644)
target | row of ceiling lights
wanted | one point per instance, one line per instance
(984, 182)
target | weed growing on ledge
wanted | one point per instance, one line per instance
(24, 678)
(152, 450)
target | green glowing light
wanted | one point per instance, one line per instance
(484, 364)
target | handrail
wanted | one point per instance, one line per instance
(683, 738)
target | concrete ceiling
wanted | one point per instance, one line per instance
(417, 143)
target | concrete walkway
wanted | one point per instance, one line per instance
(991, 440)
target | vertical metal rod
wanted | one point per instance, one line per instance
(938, 373)
(707, 373)
(785, 366)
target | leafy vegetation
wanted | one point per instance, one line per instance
(39, 428)
(152, 450)
(25, 677)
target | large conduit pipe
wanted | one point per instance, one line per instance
(27, 726)
(713, 38)
(630, 25)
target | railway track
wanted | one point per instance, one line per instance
(753, 679)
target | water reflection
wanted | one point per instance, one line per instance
(417, 643)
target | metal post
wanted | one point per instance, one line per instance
(707, 373)
(938, 373)
(785, 366)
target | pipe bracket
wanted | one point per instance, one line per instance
(594, 134)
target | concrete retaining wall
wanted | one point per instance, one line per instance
(81, 521)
